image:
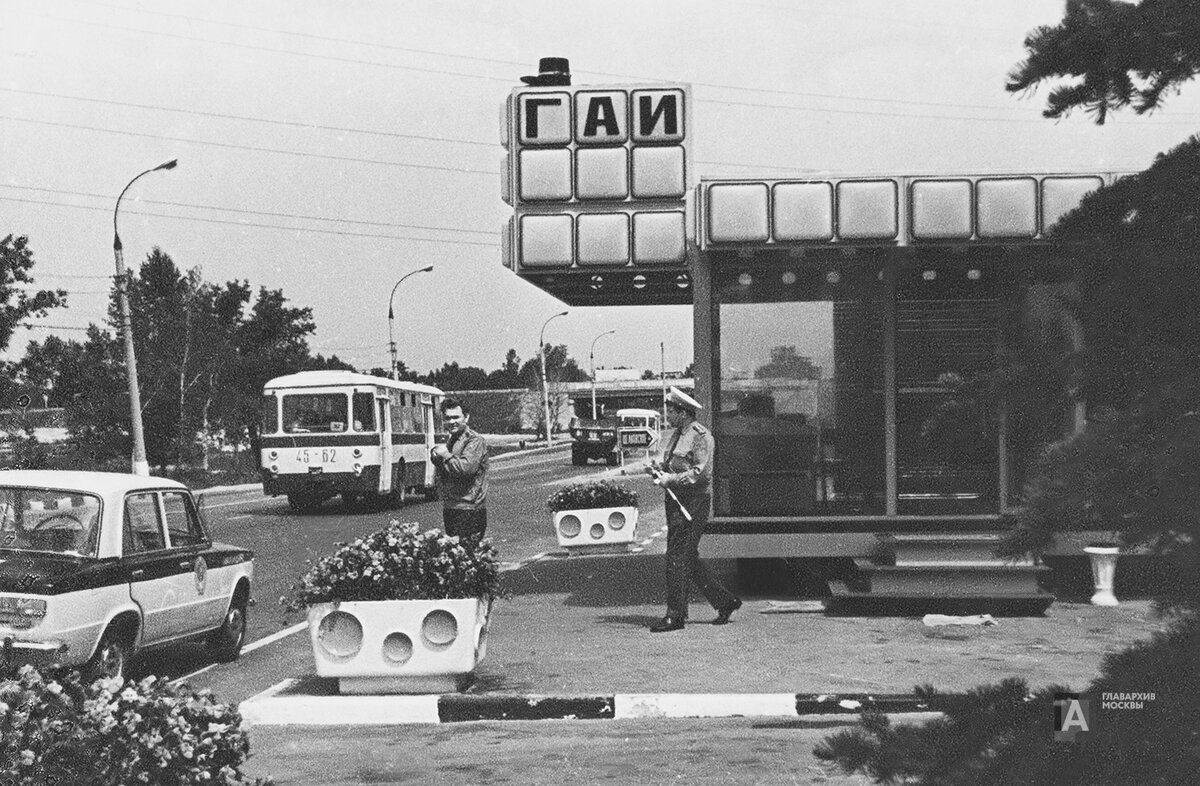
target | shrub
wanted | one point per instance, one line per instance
(400, 562)
(1002, 734)
(596, 494)
(58, 730)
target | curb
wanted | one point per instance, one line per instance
(219, 490)
(528, 451)
(275, 707)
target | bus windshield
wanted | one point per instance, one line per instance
(314, 413)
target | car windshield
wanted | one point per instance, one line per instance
(49, 519)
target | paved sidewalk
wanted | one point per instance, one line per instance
(573, 639)
(740, 704)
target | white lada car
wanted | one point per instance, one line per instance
(97, 566)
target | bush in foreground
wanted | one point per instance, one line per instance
(1002, 734)
(55, 729)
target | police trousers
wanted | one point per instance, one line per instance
(683, 556)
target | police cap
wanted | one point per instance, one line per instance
(680, 400)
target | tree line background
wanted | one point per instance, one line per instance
(204, 352)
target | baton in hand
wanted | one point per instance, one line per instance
(671, 493)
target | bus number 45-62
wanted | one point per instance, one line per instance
(307, 456)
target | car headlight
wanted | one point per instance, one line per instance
(22, 612)
(31, 607)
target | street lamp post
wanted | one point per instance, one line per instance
(592, 367)
(140, 465)
(392, 315)
(545, 389)
(662, 360)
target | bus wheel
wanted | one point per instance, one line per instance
(578, 457)
(612, 459)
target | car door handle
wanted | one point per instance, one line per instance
(187, 563)
(137, 574)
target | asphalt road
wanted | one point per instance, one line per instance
(284, 540)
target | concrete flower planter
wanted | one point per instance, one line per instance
(1104, 573)
(399, 646)
(596, 530)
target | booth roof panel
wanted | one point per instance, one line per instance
(889, 209)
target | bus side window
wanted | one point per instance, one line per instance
(364, 412)
(270, 413)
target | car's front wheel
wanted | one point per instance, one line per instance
(226, 641)
(111, 658)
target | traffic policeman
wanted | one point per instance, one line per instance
(685, 473)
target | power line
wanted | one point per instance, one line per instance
(221, 116)
(311, 36)
(54, 327)
(259, 212)
(298, 53)
(251, 148)
(42, 274)
(341, 129)
(247, 224)
(601, 73)
(622, 76)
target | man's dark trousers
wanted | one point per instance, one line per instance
(465, 523)
(683, 556)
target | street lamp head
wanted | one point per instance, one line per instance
(169, 165)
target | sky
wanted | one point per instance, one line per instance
(329, 148)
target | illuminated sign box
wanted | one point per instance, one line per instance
(597, 176)
(967, 209)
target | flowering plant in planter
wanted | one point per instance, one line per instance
(55, 729)
(400, 562)
(594, 494)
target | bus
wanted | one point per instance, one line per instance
(326, 433)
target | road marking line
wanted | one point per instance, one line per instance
(205, 506)
(274, 637)
(243, 516)
(275, 689)
(195, 673)
(650, 539)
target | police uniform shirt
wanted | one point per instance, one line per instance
(688, 459)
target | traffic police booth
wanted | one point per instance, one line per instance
(843, 324)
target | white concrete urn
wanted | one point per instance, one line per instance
(596, 530)
(1104, 573)
(399, 646)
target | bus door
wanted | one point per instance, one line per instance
(428, 426)
(386, 448)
